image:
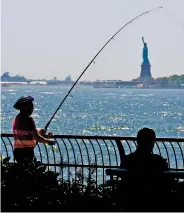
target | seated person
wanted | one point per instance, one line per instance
(145, 180)
(143, 160)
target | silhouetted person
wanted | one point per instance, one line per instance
(143, 159)
(25, 132)
(145, 183)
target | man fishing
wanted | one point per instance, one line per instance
(25, 132)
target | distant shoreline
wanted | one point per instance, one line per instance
(41, 83)
(172, 82)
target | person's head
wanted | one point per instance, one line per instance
(25, 105)
(145, 139)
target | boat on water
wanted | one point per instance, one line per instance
(38, 82)
(33, 83)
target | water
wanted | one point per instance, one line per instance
(93, 111)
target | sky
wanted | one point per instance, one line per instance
(43, 39)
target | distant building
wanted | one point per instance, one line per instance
(68, 79)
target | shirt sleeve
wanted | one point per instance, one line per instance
(32, 125)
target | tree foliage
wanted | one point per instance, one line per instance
(32, 188)
(171, 80)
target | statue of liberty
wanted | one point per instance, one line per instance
(145, 52)
(145, 66)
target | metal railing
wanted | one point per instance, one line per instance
(89, 156)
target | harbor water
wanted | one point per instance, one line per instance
(100, 111)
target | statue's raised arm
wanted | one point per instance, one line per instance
(143, 40)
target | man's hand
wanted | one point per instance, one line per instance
(51, 142)
(42, 132)
(50, 134)
(40, 136)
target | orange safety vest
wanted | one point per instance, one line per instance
(24, 132)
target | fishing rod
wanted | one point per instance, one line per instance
(94, 59)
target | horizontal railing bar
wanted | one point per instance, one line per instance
(120, 172)
(103, 137)
(88, 166)
(75, 165)
(72, 165)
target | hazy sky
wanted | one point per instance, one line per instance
(48, 38)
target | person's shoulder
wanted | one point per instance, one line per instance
(16, 118)
(126, 160)
(30, 119)
(131, 155)
(159, 159)
(30, 124)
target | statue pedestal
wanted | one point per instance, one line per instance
(145, 71)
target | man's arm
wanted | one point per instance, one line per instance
(42, 139)
(39, 133)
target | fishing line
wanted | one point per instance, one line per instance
(92, 61)
(174, 18)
